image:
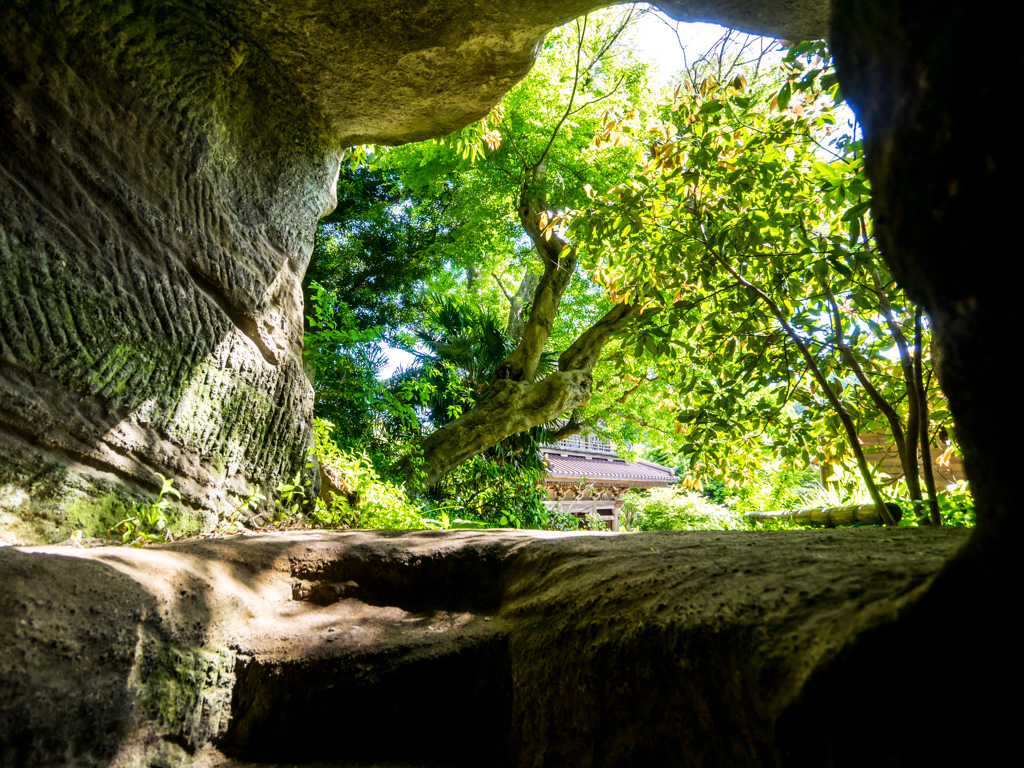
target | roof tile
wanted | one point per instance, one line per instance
(576, 468)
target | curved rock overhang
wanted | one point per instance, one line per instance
(164, 166)
(163, 169)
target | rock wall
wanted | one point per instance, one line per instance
(164, 165)
(155, 220)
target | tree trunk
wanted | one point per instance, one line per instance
(517, 312)
(922, 398)
(906, 449)
(515, 406)
(515, 402)
(473, 279)
(812, 366)
(908, 458)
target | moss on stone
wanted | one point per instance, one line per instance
(170, 682)
(186, 690)
(94, 517)
(219, 464)
(182, 521)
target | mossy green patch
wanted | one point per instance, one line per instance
(94, 517)
(187, 690)
(183, 522)
(220, 464)
(171, 680)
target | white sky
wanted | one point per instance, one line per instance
(658, 41)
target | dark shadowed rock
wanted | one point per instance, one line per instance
(540, 649)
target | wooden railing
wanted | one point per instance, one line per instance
(587, 444)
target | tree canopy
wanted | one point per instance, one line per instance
(744, 234)
(693, 271)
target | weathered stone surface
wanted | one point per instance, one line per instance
(945, 189)
(155, 218)
(163, 168)
(542, 649)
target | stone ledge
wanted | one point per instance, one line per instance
(669, 648)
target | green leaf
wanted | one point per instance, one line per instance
(785, 94)
(842, 269)
(856, 211)
(685, 417)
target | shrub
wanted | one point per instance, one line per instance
(776, 487)
(561, 520)
(503, 490)
(956, 505)
(677, 509)
(372, 502)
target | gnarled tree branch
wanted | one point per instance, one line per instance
(559, 261)
(515, 405)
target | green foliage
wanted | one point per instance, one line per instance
(469, 183)
(501, 488)
(344, 359)
(363, 288)
(371, 502)
(591, 521)
(148, 522)
(293, 496)
(676, 509)
(956, 505)
(235, 520)
(777, 486)
(716, 492)
(465, 190)
(745, 236)
(844, 487)
(735, 215)
(562, 520)
(96, 517)
(375, 251)
(459, 348)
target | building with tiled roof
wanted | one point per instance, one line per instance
(584, 475)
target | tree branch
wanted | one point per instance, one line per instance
(572, 97)
(909, 378)
(572, 427)
(501, 285)
(629, 393)
(837, 406)
(922, 399)
(585, 351)
(559, 264)
(907, 461)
